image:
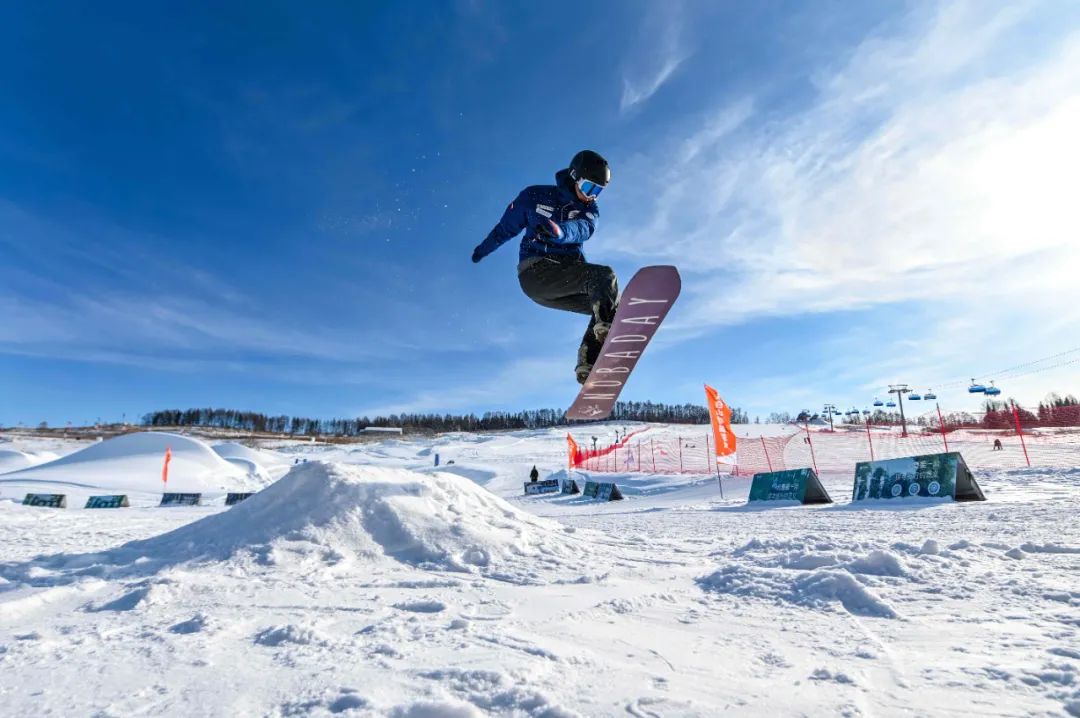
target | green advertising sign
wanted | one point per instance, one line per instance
(52, 501)
(801, 485)
(118, 501)
(929, 476)
(603, 490)
(180, 499)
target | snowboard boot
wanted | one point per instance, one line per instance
(583, 371)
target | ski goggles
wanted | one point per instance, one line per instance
(590, 189)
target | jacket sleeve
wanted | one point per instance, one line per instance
(514, 219)
(577, 231)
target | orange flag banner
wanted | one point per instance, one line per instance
(720, 413)
(165, 469)
(572, 449)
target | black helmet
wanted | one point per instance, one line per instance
(588, 165)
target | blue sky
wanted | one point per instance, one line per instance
(272, 206)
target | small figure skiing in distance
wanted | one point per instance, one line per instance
(558, 219)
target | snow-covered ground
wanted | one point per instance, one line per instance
(368, 582)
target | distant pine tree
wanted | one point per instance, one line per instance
(646, 411)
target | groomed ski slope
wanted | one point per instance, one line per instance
(366, 582)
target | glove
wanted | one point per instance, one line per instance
(549, 229)
(476, 255)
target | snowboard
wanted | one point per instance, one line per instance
(644, 304)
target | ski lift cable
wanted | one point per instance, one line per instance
(1039, 361)
(1039, 369)
(1026, 368)
(1045, 368)
(1018, 370)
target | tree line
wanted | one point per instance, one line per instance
(644, 411)
(1054, 411)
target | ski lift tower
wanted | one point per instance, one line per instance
(900, 390)
(831, 409)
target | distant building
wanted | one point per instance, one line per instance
(381, 430)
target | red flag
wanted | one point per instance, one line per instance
(720, 414)
(165, 469)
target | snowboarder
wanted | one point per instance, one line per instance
(534, 474)
(552, 270)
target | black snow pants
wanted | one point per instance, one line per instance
(573, 285)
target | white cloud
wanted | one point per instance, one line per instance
(661, 53)
(933, 167)
(93, 291)
(108, 327)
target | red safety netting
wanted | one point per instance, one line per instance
(838, 451)
(654, 455)
(604, 455)
(1042, 439)
(761, 453)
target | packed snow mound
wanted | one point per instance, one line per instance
(254, 472)
(13, 460)
(133, 462)
(816, 589)
(260, 465)
(262, 457)
(815, 572)
(331, 514)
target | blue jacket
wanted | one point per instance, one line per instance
(535, 205)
